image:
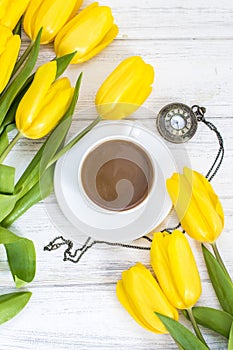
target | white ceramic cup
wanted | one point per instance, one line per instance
(101, 209)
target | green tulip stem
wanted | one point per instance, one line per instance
(195, 326)
(178, 345)
(74, 141)
(22, 59)
(10, 146)
(219, 259)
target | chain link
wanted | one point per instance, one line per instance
(200, 113)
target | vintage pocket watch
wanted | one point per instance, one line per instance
(177, 122)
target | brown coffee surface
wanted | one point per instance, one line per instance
(117, 175)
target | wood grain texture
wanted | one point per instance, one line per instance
(74, 306)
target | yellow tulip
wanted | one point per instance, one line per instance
(197, 205)
(9, 49)
(175, 269)
(125, 89)
(88, 33)
(141, 296)
(11, 11)
(49, 14)
(44, 104)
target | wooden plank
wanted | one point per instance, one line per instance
(190, 71)
(172, 19)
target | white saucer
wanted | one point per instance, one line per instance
(109, 226)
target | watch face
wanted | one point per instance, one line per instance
(176, 123)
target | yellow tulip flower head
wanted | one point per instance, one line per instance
(125, 89)
(88, 33)
(9, 50)
(11, 11)
(44, 103)
(197, 205)
(175, 269)
(140, 294)
(49, 14)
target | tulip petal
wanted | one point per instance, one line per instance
(200, 217)
(112, 88)
(203, 182)
(8, 60)
(5, 35)
(109, 37)
(175, 269)
(68, 27)
(30, 103)
(75, 9)
(50, 114)
(180, 192)
(52, 16)
(29, 19)
(183, 269)
(49, 14)
(145, 294)
(208, 212)
(116, 111)
(161, 265)
(52, 95)
(141, 79)
(122, 297)
(129, 84)
(11, 11)
(80, 38)
(212, 225)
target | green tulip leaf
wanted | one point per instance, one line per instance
(222, 285)
(18, 27)
(11, 304)
(21, 256)
(10, 116)
(181, 335)
(17, 83)
(63, 62)
(7, 179)
(4, 141)
(217, 320)
(7, 237)
(22, 261)
(230, 343)
(7, 203)
(42, 189)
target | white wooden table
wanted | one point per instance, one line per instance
(74, 306)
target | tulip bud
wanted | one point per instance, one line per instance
(141, 296)
(175, 269)
(51, 15)
(88, 33)
(197, 205)
(125, 89)
(44, 103)
(9, 50)
(11, 11)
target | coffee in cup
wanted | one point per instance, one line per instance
(116, 174)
